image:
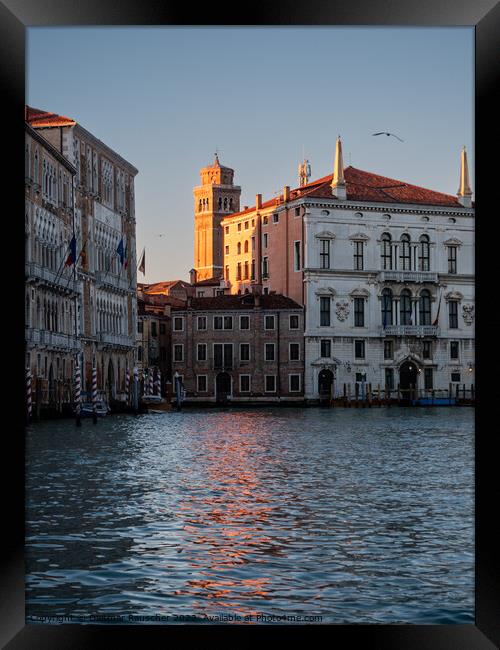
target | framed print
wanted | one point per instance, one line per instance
(192, 491)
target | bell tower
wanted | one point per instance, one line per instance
(214, 199)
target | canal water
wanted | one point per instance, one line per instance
(332, 515)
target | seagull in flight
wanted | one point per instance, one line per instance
(386, 133)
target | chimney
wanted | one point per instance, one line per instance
(338, 180)
(257, 300)
(258, 201)
(464, 191)
(286, 193)
(192, 276)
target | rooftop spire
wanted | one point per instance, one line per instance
(338, 180)
(464, 189)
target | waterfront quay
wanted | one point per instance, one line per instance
(256, 515)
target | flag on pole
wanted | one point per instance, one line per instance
(71, 259)
(436, 320)
(142, 262)
(126, 257)
(121, 251)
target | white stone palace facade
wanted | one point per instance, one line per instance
(384, 269)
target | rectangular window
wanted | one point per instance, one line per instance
(227, 250)
(269, 352)
(428, 379)
(324, 311)
(140, 326)
(389, 378)
(268, 322)
(359, 349)
(218, 322)
(296, 259)
(244, 351)
(270, 383)
(201, 354)
(202, 383)
(246, 225)
(178, 324)
(388, 349)
(455, 377)
(244, 383)
(324, 253)
(178, 352)
(264, 243)
(227, 230)
(244, 322)
(358, 255)
(452, 259)
(238, 271)
(297, 212)
(294, 352)
(227, 274)
(294, 383)
(359, 312)
(245, 274)
(453, 349)
(294, 322)
(426, 350)
(239, 227)
(228, 322)
(223, 356)
(276, 217)
(154, 331)
(202, 322)
(265, 267)
(252, 271)
(326, 348)
(163, 329)
(453, 314)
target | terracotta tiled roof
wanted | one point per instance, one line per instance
(162, 287)
(209, 282)
(38, 118)
(217, 303)
(366, 187)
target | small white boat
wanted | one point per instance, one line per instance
(87, 410)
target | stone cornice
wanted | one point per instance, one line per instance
(389, 208)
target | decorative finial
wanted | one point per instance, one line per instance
(338, 180)
(464, 191)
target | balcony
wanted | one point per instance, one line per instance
(52, 339)
(408, 276)
(410, 330)
(63, 281)
(109, 281)
(110, 339)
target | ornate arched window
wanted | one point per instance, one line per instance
(424, 254)
(425, 307)
(225, 203)
(199, 206)
(239, 248)
(231, 204)
(386, 252)
(405, 307)
(386, 307)
(404, 253)
(245, 248)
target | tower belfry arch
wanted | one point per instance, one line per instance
(216, 197)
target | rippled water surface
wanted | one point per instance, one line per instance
(355, 516)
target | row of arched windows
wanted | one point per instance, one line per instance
(223, 204)
(389, 313)
(398, 254)
(50, 313)
(111, 316)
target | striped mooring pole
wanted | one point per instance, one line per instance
(158, 383)
(150, 391)
(135, 396)
(127, 386)
(78, 394)
(28, 394)
(94, 395)
(144, 382)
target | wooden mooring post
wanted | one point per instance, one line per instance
(356, 393)
(349, 394)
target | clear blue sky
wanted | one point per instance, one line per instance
(165, 98)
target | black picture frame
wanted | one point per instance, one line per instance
(15, 17)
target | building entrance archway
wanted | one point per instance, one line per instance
(222, 386)
(325, 384)
(408, 374)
